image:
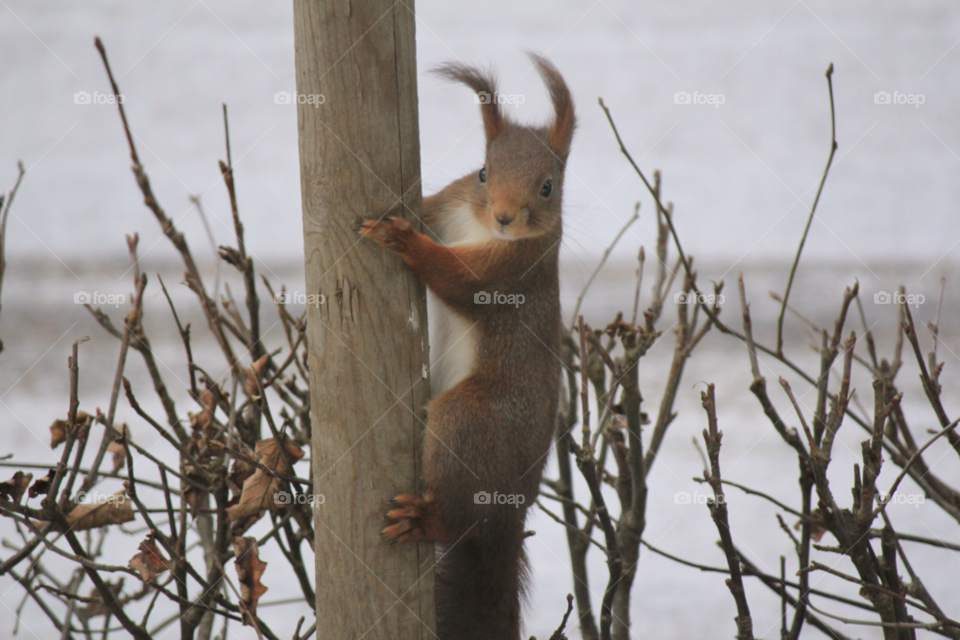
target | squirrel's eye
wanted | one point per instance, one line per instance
(483, 174)
(546, 189)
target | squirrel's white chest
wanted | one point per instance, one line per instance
(460, 226)
(453, 339)
(453, 346)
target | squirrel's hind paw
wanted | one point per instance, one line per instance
(407, 519)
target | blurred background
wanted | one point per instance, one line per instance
(729, 102)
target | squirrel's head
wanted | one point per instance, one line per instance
(518, 190)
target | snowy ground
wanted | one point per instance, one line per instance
(741, 175)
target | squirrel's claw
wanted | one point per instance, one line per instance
(390, 233)
(406, 519)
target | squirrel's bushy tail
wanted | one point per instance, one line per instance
(480, 586)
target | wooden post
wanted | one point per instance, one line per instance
(359, 157)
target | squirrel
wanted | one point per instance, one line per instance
(495, 272)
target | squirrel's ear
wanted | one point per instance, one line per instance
(485, 86)
(564, 120)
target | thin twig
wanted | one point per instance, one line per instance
(813, 210)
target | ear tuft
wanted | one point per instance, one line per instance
(564, 121)
(484, 85)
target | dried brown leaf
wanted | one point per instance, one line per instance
(252, 376)
(113, 509)
(203, 420)
(206, 439)
(260, 366)
(149, 561)
(816, 529)
(42, 485)
(239, 473)
(58, 433)
(249, 571)
(196, 498)
(58, 430)
(116, 448)
(259, 488)
(250, 384)
(15, 487)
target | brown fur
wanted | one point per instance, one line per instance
(493, 430)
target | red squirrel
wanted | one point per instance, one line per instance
(494, 270)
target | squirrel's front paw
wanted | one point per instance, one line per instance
(391, 233)
(407, 519)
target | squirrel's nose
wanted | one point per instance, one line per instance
(504, 219)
